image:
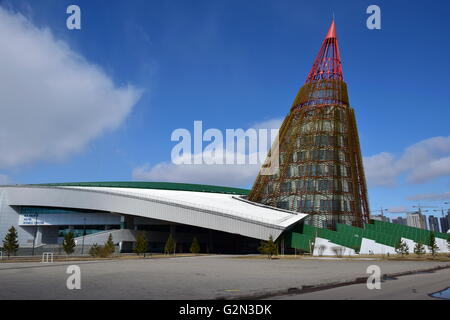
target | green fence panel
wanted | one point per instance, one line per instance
(300, 241)
(415, 234)
(381, 232)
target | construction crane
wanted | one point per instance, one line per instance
(419, 207)
(441, 209)
(381, 210)
(407, 212)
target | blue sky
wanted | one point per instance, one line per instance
(234, 64)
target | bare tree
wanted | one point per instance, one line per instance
(321, 249)
(338, 251)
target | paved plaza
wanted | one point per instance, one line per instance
(201, 277)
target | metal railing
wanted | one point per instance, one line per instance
(47, 257)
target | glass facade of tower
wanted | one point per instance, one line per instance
(320, 167)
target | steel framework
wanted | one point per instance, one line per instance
(320, 168)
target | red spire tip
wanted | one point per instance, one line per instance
(332, 31)
(327, 65)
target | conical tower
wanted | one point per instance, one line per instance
(320, 170)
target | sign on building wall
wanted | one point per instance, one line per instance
(56, 219)
(30, 220)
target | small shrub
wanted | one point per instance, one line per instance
(94, 250)
(104, 252)
(141, 244)
(433, 245)
(402, 248)
(97, 251)
(10, 243)
(69, 243)
(195, 246)
(109, 246)
(268, 247)
(170, 245)
(419, 249)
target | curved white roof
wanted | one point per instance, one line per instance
(225, 203)
(223, 212)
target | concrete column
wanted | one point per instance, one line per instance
(38, 236)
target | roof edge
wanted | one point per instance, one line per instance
(152, 185)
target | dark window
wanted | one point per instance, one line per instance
(283, 205)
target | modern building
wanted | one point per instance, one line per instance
(400, 220)
(316, 202)
(433, 223)
(445, 223)
(320, 169)
(221, 218)
(416, 220)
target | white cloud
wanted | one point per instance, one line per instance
(427, 159)
(215, 174)
(237, 175)
(52, 100)
(430, 170)
(379, 169)
(268, 124)
(398, 209)
(431, 196)
(421, 162)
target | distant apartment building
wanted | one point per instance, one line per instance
(380, 218)
(445, 222)
(433, 223)
(416, 220)
(400, 220)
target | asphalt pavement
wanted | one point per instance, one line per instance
(202, 277)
